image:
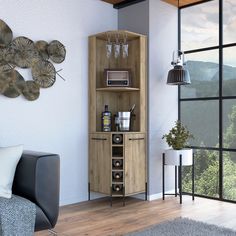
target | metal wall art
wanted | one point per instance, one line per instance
(22, 52)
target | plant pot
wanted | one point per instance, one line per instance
(172, 157)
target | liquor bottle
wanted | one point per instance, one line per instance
(117, 163)
(106, 120)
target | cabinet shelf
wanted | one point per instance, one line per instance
(117, 195)
(118, 89)
(117, 169)
(117, 145)
(117, 182)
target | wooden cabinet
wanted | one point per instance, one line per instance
(130, 175)
(100, 163)
(135, 163)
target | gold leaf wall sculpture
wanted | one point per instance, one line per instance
(22, 52)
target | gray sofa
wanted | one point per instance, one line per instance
(37, 178)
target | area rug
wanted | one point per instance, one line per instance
(184, 227)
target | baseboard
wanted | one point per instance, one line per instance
(158, 195)
(72, 200)
(69, 201)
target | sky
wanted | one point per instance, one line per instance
(200, 29)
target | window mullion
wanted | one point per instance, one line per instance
(220, 99)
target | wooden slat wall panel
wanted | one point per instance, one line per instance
(181, 2)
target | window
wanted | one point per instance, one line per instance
(199, 26)
(229, 21)
(202, 120)
(204, 73)
(206, 174)
(208, 105)
(229, 71)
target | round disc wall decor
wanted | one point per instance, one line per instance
(41, 47)
(25, 52)
(4, 68)
(11, 83)
(56, 51)
(7, 55)
(44, 73)
(31, 90)
(6, 34)
(1, 55)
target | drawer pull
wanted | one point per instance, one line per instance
(100, 139)
(133, 139)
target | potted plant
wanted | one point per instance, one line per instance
(177, 138)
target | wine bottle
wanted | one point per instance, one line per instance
(106, 120)
(117, 138)
(117, 187)
(117, 175)
(117, 163)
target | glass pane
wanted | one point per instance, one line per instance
(229, 21)
(229, 123)
(200, 26)
(204, 73)
(229, 72)
(206, 174)
(202, 120)
(229, 176)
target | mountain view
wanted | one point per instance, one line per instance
(205, 80)
(202, 119)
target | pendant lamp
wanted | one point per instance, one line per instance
(178, 75)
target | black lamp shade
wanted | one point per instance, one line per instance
(178, 76)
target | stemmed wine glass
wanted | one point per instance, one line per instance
(125, 47)
(108, 46)
(117, 47)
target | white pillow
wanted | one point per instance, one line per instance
(9, 158)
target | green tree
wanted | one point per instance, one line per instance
(230, 135)
(229, 177)
(207, 167)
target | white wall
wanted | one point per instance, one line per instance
(163, 98)
(58, 121)
(158, 21)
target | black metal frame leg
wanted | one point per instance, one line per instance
(180, 178)
(89, 192)
(163, 176)
(123, 195)
(111, 197)
(146, 191)
(193, 184)
(176, 181)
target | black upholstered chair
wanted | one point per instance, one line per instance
(37, 178)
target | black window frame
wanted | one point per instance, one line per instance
(219, 98)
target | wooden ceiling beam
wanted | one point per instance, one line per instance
(182, 3)
(113, 1)
(122, 3)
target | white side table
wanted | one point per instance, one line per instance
(177, 158)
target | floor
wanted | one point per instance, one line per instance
(97, 218)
